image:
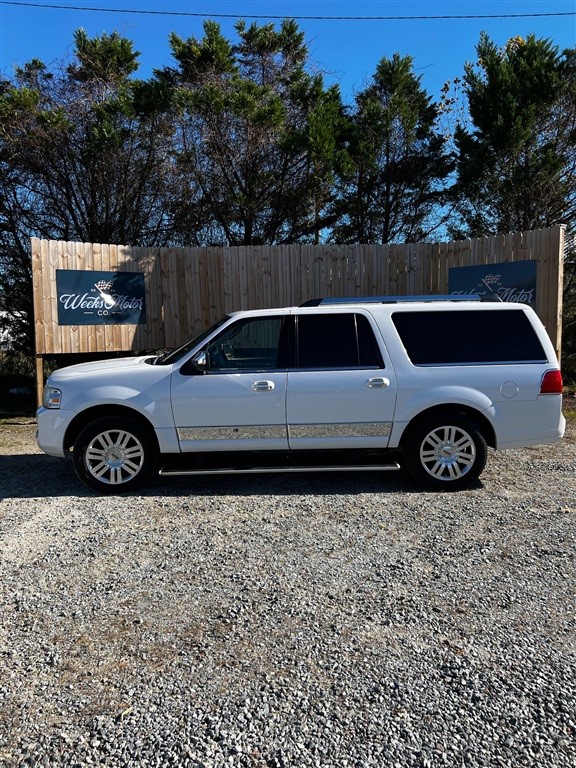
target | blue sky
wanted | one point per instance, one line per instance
(345, 50)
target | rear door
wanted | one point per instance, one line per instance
(342, 389)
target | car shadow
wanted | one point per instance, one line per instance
(39, 476)
(316, 483)
(31, 476)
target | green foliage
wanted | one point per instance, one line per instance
(394, 181)
(83, 156)
(16, 100)
(248, 137)
(198, 59)
(517, 157)
(107, 59)
(517, 163)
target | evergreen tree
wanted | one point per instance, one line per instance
(258, 137)
(517, 159)
(393, 187)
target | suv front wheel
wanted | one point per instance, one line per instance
(114, 454)
(445, 453)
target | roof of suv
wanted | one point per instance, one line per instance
(401, 299)
(432, 302)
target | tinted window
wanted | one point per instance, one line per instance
(368, 349)
(464, 337)
(336, 341)
(251, 344)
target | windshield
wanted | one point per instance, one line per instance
(177, 354)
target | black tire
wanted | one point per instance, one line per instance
(114, 454)
(445, 453)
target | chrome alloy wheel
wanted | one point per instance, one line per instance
(114, 457)
(447, 453)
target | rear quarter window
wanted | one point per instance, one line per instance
(461, 337)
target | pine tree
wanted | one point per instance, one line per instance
(517, 159)
(258, 137)
(394, 185)
(84, 152)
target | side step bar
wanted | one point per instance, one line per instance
(167, 472)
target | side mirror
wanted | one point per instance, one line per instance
(198, 365)
(201, 361)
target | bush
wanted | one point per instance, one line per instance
(569, 325)
(17, 384)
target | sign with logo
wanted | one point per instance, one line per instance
(512, 281)
(100, 298)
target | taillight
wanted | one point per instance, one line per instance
(551, 383)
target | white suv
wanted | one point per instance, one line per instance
(421, 382)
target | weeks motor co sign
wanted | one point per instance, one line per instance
(511, 281)
(100, 298)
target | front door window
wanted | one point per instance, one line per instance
(249, 345)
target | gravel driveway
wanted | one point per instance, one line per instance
(312, 620)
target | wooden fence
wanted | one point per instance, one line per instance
(189, 288)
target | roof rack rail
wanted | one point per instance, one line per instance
(400, 299)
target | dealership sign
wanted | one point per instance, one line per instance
(100, 298)
(511, 281)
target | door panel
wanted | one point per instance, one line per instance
(343, 393)
(239, 403)
(228, 412)
(339, 409)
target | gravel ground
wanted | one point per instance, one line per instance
(311, 620)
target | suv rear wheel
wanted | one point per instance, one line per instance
(445, 453)
(113, 454)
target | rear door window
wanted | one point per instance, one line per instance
(334, 341)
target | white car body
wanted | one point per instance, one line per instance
(195, 410)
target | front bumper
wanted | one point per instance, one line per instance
(52, 426)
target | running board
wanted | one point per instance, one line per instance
(270, 470)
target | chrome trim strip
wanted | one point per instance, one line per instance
(366, 429)
(242, 432)
(392, 467)
(479, 363)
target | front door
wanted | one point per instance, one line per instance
(240, 401)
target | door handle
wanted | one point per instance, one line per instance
(378, 382)
(263, 386)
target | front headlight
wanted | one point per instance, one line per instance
(52, 397)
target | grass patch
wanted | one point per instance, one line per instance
(570, 413)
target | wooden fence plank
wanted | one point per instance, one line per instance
(40, 308)
(554, 295)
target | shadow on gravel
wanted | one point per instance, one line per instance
(38, 476)
(313, 483)
(32, 476)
